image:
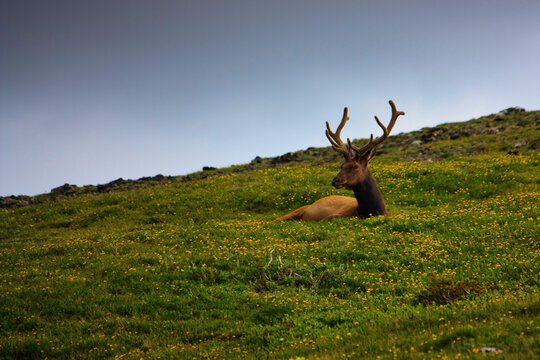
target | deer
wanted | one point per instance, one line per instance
(354, 175)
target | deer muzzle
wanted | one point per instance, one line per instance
(336, 183)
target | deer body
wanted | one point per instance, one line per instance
(326, 208)
(368, 201)
(354, 175)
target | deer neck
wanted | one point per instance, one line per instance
(369, 197)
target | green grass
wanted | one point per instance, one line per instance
(197, 270)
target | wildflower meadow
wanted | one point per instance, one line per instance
(198, 270)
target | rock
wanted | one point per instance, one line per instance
(519, 144)
(512, 110)
(489, 350)
(111, 186)
(492, 131)
(25, 200)
(458, 133)
(158, 178)
(12, 202)
(9, 202)
(431, 135)
(65, 190)
(118, 182)
(416, 143)
(285, 158)
(499, 116)
(428, 139)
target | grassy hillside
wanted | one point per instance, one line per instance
(513, 131)
(196, 269)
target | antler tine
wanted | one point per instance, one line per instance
(369, 148)
(335, 138)
(395, 114)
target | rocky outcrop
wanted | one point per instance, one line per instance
(65, 190)
(68, 190)
(12, 202)
(286, 158)
(121, 184)
(506, 112)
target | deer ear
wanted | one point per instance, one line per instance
(352, 150)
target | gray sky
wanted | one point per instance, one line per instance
(91, 91)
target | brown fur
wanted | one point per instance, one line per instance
(354, 175)
(326, 208)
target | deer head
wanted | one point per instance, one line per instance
(354, 171)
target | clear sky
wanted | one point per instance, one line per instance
(91, 91)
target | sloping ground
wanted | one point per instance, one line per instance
(512, 131)
(195, 269)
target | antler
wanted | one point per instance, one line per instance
(368, 150)
(335, 138)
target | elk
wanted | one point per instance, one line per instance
(354, 175)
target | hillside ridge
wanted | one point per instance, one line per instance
(513, 130)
